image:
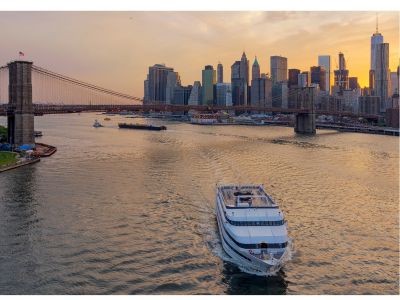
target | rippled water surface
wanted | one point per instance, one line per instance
(132, 212)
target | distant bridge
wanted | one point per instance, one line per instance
(65, 92)
(40, 109)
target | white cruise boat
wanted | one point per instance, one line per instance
(252, 228)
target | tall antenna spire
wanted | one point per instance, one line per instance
(376, 22)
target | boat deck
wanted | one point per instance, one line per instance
(245, 196)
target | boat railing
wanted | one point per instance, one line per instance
(250, 198)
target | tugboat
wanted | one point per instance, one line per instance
(252, 227)
(141, 126)
(97, 124)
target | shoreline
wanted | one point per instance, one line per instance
(44, 150)
(19, 164)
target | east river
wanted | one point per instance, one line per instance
(132, 212)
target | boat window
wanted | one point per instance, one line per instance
(255, 223)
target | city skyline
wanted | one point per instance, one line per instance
(115, 49)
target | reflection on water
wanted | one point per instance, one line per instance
(132, 212)
(240, 283)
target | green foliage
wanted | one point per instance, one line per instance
(7, 158)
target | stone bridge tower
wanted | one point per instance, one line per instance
(20, 117)
(305, 99)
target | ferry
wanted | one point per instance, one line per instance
(252, 228)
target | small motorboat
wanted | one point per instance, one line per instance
(97, 124)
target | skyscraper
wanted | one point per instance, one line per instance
(303, 79)
(318, 77)
(235, 82)
(146, 90)
(195, 94)
(353, 83)
(223, 94)
(209, 78)
(244, 68)
(173, 81)
(240, 81)
(382, 74)
(261, 92)
(279, 70)
(157, 83)
(394, 83)
(325, 62)
(293, 77)
(181, 95)
(255, 70)
(220, 73)
(341, 75)
(376, 40)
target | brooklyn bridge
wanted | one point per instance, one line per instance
(27, 90)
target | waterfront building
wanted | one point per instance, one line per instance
(293, 75)
(181, 95)
(280, 94)
(279, 69)
(318, 77)
(382, 73)
(195, 94)
(303, 79)
(223, 94)
(369, 105)
(173, 81)
(157, 83)
(392, 117)
(350, 100)
(209, 79)
(342, 75)
(220, 73)
(325, 62)
(330, 103)
(261, 91)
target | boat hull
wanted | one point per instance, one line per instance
(142, 127)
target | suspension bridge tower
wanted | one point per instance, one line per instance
(305, 122)
(20, 117)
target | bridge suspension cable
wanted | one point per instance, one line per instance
(80, 83)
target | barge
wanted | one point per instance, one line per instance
(141, 126)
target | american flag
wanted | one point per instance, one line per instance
(21, 53)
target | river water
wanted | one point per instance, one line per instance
(132, 212)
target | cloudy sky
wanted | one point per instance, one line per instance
(115, 49)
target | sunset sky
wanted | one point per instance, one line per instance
(115, 49)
